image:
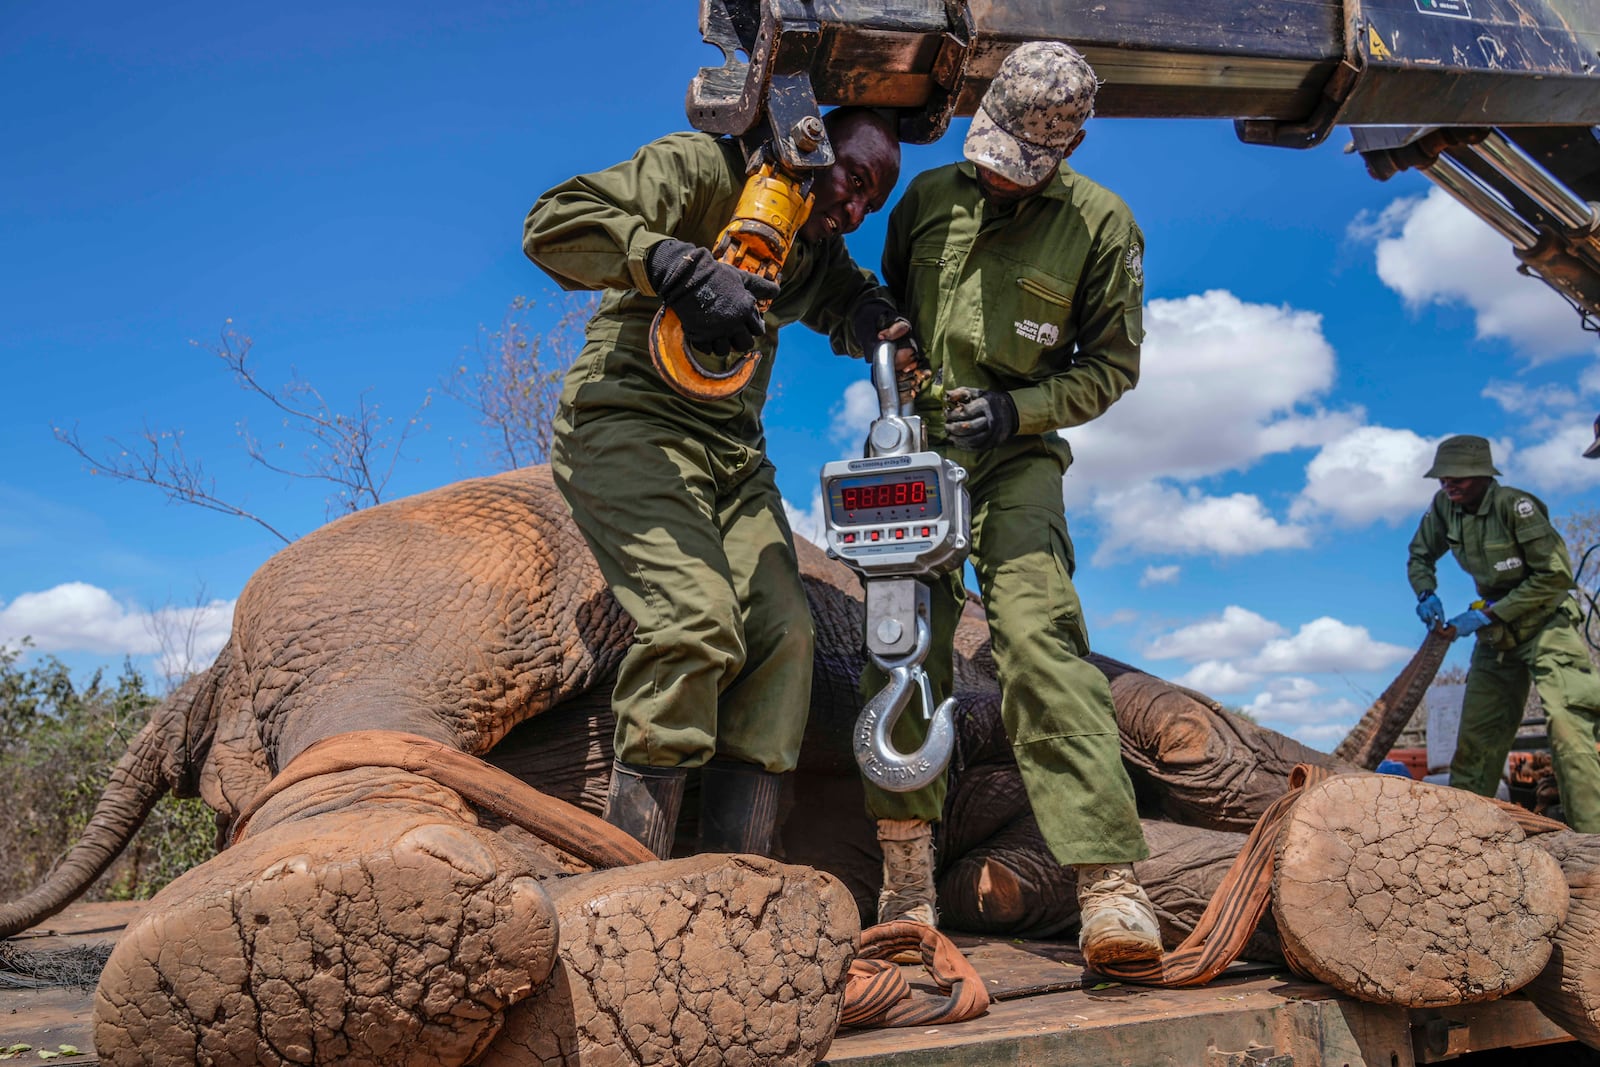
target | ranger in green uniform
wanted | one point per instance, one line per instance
(1025, 284)
(676, 497)
(1527, 626)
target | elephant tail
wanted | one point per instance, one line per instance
(156, 761)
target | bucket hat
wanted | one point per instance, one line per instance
(1462, 456)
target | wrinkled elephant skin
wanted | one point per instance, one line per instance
(390, 928)
(373, 916)
(707, 991)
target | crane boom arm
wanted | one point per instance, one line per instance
(1494, 100)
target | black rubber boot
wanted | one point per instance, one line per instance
(644, 802)
(738, 807)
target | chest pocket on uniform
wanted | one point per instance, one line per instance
(925, 281)
(1504, 557)
(1028, 313)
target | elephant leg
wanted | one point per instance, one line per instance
(368, 918)
(707, 960)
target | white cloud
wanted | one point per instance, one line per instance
(1519, 399)
(1218, 677)
(1223, 383)
(1370, 474)
(1431, 250)
(853, 415)
(1120, 617)
(1560, 422)
(1158, 575)
(1161, 519)
(1326, 645)
(189, 638)
(1290, 705)
(1236, 632)
(1232, 653)
(806, 523)
(1557, 464)
(79, 617)
(1589, 380)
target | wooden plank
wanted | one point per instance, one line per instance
(1234, 1020)
(1118, 1023)
(1015, 968)
(1446, 1033)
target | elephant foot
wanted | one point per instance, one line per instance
(708, 960)
(1400, 892)
(388, 928)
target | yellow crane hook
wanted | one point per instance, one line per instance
(771, 210)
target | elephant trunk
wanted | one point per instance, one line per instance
(1369, 740)
(137, 782)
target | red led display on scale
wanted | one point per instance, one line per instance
(894, 494)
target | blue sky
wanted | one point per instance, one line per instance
(346, 183)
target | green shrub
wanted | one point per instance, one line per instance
(58, 743)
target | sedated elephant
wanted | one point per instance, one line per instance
(374, 913)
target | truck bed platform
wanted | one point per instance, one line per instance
(1044, 1012)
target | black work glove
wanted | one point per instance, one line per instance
(715, 302)
(977, 419)
(876, 315)
(871, 318)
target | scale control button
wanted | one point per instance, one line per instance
(849, 539)
(899, 535)
(925, 532)
(874, 535)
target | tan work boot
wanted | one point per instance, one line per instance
(1119, 925)
(908, 892)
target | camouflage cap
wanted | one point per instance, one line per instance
(1034, 107)
(1462, 456)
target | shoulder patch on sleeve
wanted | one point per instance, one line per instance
(1525, 508)
(1134, 262)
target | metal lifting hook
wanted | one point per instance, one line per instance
(881, 763)
(771, 210)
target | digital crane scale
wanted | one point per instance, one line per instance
(899, 517)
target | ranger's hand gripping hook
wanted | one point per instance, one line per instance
(771, 209)
(881, 763)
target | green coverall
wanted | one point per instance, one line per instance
(676, 497)
(1044, 299)
(1520, 565)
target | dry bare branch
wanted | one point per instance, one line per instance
(354, 452)
(160, 461)
(176, 631)
(517, 381)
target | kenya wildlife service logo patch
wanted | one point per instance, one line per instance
(1525, 508)
(1043, 333)
(1134, 262)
